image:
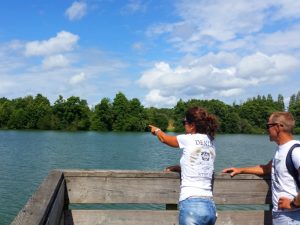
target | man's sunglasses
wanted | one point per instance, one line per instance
(269, 125)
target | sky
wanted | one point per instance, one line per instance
(159, 51)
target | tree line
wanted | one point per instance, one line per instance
(123, 114)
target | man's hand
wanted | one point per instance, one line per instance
(284, 203)
(233, 171)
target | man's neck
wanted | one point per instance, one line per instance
(284, 138)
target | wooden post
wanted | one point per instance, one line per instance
(45, 206)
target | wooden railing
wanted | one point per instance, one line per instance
(53, 201)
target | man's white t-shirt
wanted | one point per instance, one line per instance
(197, 165)
(283, 184)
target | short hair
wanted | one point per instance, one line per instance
(286, 119)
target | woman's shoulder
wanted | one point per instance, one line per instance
(193, 136)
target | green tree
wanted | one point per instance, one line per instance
(294, 107)
(257, 111)
(136, 116)
(280, 102)
(120, 110)
(161, 118)
(39, 113)
(20, 117)
(179, 113)
(59, 121)
(102, 117)
(73, 113)
(6, 110)
(231, 122)
(17, 119)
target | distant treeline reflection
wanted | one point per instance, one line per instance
(123, 114)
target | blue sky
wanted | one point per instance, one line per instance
(158, 51)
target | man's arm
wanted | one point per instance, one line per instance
(257, 170)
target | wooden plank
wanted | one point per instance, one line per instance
(156, 174)
(253, 217)
(122, 190)
(56, 211)
(36, 209)
(242, 191)
(148, 217)
(121, 217)
(226, 176)
(159, 187)
(120, 173)
(109, 186)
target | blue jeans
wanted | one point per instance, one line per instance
(197, 211)
(286, 218)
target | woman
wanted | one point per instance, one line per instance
(196, 205)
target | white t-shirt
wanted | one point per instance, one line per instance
(283, 184)
(197, 165)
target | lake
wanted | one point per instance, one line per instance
(26, 157)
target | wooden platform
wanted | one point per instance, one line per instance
(53, 202)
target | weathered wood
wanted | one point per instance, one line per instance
(158, 187)
(39, 205)
(49, 204)
(120, 173)
(120, 190)
(242, 189)
(56, 211)
(244, 218)
(121, 217)
(148, 217)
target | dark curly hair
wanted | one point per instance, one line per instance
(205, 123)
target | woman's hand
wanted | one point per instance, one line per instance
(154, 129)
(175, 168)
(284, 203)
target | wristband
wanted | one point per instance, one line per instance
(156, 130)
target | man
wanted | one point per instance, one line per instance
(285, 198)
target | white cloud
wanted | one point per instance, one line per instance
(134, 6)
(63, 42)
(138, 46)
(254, 65)
(76, 11)
(154, 98)
(214, 80)
(230, 24)
(60, 73)
(207, 22)
(6, 86)
(285, 40)
(230, 48)
(259, 65)
(55, 61)
(287, 9)
(230, 92)
(77, 78)
(159, 29)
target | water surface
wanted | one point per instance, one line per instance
(26, 157)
